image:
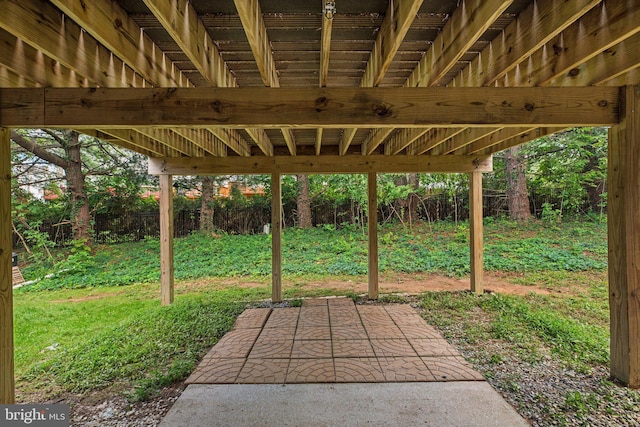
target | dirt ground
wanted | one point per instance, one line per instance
(407, 284)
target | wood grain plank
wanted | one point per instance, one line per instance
(317, 164)
(475, 232)
(166, 240)
(276, 238)
(372, 221)
(7, 384)
(624, 241)
(309, 107)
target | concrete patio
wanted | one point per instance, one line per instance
(299, 360)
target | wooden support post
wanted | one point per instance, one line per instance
(166, 239)
(624, 239)
(475, 230)
(7, 394)
(276, 238)
(373, 235)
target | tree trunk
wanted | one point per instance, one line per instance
(304, 202)
(80, 217)
(517, 194)
(206, 208)
(413, 200)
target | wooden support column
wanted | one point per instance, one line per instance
(7, 385)
(624, 239)
(475, 230)
(166, 239)
(276, 238)
(373, 234)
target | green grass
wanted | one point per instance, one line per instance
(121, 339)
(573, 328)
(441, 248)
(84, 331)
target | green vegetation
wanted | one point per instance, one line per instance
(433, 248)
(84, 331)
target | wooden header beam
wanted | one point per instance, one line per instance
(308, 107)
(317, 164)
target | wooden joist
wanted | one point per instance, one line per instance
(180, 20)
(463, 29)
(602, 27)
(460, 32)
(111, 25)
(256, 32)
(536, 25)
(317, 164)
(309, 107)
(396, 23)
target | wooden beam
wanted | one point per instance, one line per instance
(203, 139)
(397, 21)
(111, 25)
(9, 78)
(630, 78)
(372, 220)
(181, 21)
(374, 139)
(519, 139)
(432, 138)
(261, 139)
(64, 41)
(475, 231)
(599, 29)
(466, 25)
(137, 139)
(116, 141)
(624, 241)
(319, 132)
(461, 140)
(166, 239)
(256, 32)
(308, 107)
(402, 139)
(232, 139)
(317, 164)
(325, 47)
(276, 238)
(345, 140)
(613, 62)
(26, 61)
(492, 139)
(172, 140)
(540, 22)
(7, 384)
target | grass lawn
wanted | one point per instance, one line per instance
(100, 325)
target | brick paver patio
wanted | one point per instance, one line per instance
(331, 340)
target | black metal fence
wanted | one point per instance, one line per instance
(252, 219)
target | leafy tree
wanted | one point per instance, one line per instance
(46, 157)
(568, 170)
